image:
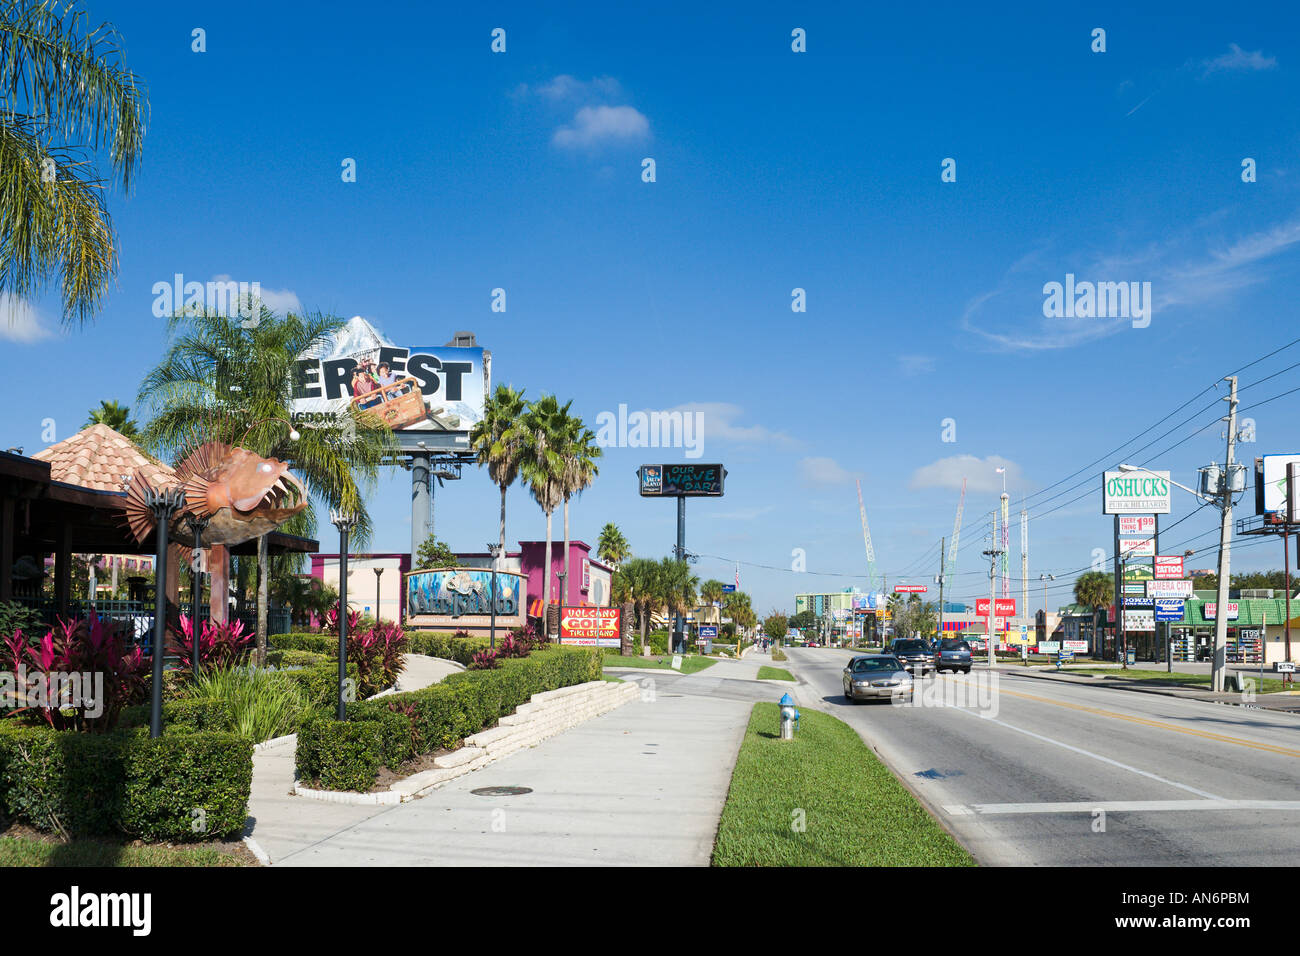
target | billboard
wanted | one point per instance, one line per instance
(1211, 608)
(590, 626)
(1169, 609)
(681, 481)
(461, 598)
(1272, 494)
(1002, 607)
(910, 589)
(1169, 589)
(1137, 524)
(1139, 620)
(422, 392)
(1137, 547)
(1135, 492)
(1168, 566)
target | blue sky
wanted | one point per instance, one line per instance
(775, 170)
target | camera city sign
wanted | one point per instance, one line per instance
(1134, 492)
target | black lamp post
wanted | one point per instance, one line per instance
(196, 526)
(163, 503)
(379, 572)
(345, 521)
(495, 551)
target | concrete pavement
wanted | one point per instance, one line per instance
(1045, 772)
(643, 785)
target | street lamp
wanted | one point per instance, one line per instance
(163, 503)
(345, 521)
(379, 572)
(1218, 486)
(495, 551)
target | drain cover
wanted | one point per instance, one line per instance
(501, 791)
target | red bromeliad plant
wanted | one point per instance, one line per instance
(377, 652)
(221, 646)
(512, 646)
(79, 676)
(332, 619)
(484, 660)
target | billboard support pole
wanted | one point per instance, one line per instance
(421, 503)
(679, 636)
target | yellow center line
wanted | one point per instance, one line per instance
(1160, 724)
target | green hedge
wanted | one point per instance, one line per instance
(190, 713)
(321, 681)
(126, 783)
(430, 643)
(335, 756)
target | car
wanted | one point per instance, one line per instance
(812, 644)
(876, 677)
(914, 654)
(952, 653)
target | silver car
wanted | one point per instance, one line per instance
(877, 676)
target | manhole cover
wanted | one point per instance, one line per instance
(501, 791)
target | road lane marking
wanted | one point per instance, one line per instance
(1089, 753)
(1162, 725)
(1116, 806)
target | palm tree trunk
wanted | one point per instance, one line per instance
(568, 588)
(263, 588)
(645, 620)
(503, 520)
(546, 580)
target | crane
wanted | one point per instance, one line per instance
(866, 537)
(951, 566)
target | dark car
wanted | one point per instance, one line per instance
(952, 653)
(914, 654)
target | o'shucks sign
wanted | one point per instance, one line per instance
(1129, 492)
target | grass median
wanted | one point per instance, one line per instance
(774, 673)
(822, 799)
(1267, 685)
(39, 851)
(690, 664)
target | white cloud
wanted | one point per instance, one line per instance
(600, 125)
(1237, 59)
(824, 471)
(20, 322)
(567, 88)
(278, 301)
(916, 364)
(720, 424)
(980, 474)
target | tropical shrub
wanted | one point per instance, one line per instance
(377, 653)
(262, 704)
(70, 662)
(222, 645)
(484, 660)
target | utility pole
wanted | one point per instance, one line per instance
(942, 542)
(993, 554)
(1225, 544)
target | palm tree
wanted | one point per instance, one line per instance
(230, 380)
(66, 96)
(115, 416)
(580, 454)
(711, 591)
(638, 581)
(678, 588)
(1094, 589)
(543, 434)
(612, 548)
(497, 443)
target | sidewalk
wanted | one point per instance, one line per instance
(1285, 703)
(643, 785)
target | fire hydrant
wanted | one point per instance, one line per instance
(789, 717)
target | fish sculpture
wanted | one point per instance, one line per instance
(242, 494)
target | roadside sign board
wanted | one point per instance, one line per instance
(1169, 589)
(1168, 609)
(1133, 601)
(681, 480)
(1168, 565)
(1273, 483)
(1072, 646)
(1135, 492)
(1049, 647)
(1137, 547)
(1137, 524)
(1002, 607)
(728, 588)
(590, 626)
(910, 589)
(1284, 667)
(1212, 608)
(1139, 620)
(709, 632)
(1135, 587)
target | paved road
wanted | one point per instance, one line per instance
(1034, 772)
